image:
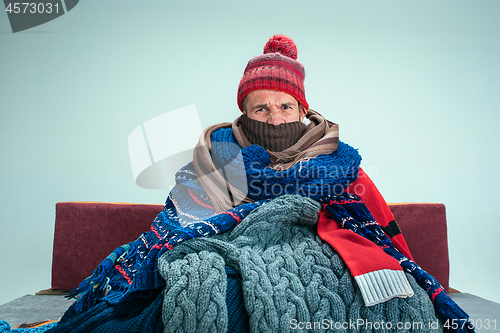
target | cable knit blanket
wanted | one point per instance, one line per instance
(292, 280)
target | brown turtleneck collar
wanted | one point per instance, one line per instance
(272, 137)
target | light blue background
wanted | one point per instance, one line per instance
(415, 85)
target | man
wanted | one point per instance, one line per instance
(249, 208)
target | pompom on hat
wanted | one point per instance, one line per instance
(276, 69)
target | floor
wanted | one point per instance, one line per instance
(484, 314)
(31, 308)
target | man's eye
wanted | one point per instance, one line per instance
(261, 110)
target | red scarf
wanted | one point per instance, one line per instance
(379, 276)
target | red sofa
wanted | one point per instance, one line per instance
(87, 232)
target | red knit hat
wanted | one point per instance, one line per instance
(277, 69)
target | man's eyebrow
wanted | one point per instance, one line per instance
(263, 105)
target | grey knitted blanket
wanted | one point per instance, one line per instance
(292, 281)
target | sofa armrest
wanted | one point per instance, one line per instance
(425, 231)
(87, 232)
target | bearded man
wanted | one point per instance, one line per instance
(273, 227)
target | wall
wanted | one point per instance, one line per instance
(413, 85)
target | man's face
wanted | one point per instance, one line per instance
(273, 107)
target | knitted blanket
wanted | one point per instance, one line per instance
(291, 280)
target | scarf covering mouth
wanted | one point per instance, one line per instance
(272, 137)
(321, 137)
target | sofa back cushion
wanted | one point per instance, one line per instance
(424, 227)
(87, 232)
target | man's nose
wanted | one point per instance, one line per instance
(275, 117)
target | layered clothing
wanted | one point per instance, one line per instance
(230, 178)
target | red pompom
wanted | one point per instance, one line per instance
(281, 44)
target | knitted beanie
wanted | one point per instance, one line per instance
(276, 69)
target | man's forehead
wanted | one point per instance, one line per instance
(266, 97)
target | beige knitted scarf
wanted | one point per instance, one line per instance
(320, 137)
